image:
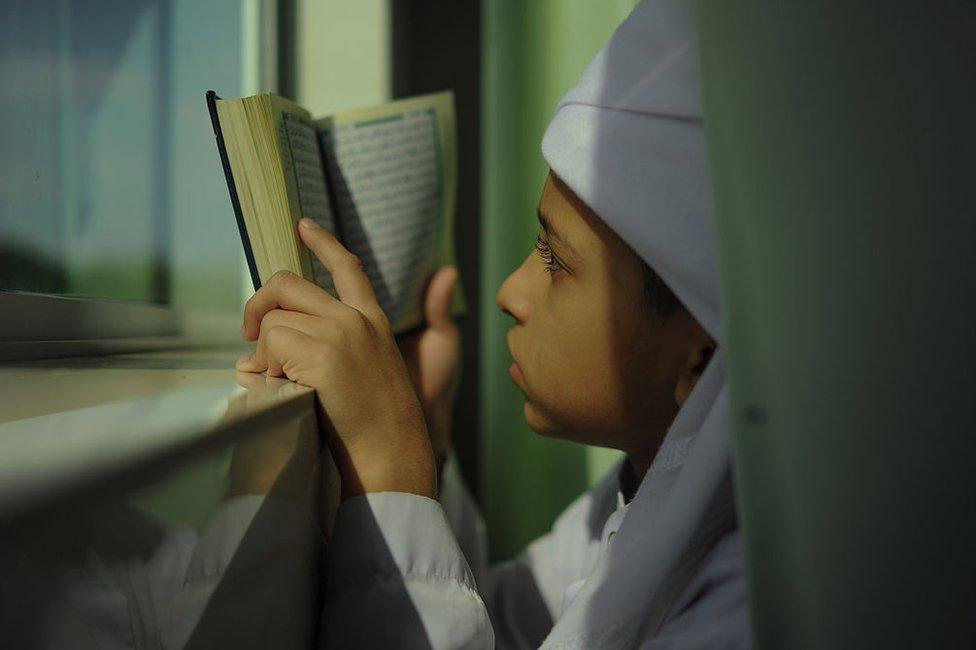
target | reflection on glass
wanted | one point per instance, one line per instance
(98, 143)
(223, 551)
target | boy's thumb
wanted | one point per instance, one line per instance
(437, 306)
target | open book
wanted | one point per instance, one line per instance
(381, 179)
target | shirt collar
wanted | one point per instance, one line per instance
(627, 483)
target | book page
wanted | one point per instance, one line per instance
(303, 160)
(392, 181)
(257, 154)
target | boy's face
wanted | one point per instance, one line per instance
(595, 364)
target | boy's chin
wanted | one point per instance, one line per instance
(545, 426)
(538, 421)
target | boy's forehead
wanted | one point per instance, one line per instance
(568, 216)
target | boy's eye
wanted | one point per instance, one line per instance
(545, 251)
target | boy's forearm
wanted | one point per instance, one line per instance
(391, 452)
(406, 465)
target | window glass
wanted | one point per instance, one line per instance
(110, 184)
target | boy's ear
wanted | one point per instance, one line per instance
(699, 354)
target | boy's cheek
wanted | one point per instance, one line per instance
(584, 426)
(574, 404)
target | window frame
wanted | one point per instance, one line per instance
(45, 317)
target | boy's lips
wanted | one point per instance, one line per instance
(515, 373)
(514, 370)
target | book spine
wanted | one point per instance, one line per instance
(232, 188)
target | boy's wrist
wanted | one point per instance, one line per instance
(407, 465)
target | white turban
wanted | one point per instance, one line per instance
(629, 140)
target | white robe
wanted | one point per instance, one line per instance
(397, 576)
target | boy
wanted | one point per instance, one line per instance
(614, 344)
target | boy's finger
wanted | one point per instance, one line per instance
(261, 361)
(284, 344)
(252, 363)
(351, 282)
(274, 365)
(437, 303)
(285, 291)
(257, 362)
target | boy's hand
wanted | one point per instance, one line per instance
(345, 350)
(433, 356)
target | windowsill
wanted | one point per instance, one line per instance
(69, 425)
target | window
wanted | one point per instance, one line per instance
(110, 183)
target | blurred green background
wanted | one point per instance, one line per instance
(532, 53)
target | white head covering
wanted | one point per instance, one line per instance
(630, 142)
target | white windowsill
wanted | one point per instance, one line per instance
(68, 425)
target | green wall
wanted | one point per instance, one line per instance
(533, 53)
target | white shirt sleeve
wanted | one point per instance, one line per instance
(396, 577)
(518, 611)
(404, 567)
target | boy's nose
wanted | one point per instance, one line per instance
(512, 297)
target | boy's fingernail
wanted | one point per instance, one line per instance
(307, 223)
(244, 359)
(243, 330)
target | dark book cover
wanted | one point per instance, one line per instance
(232, 188)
